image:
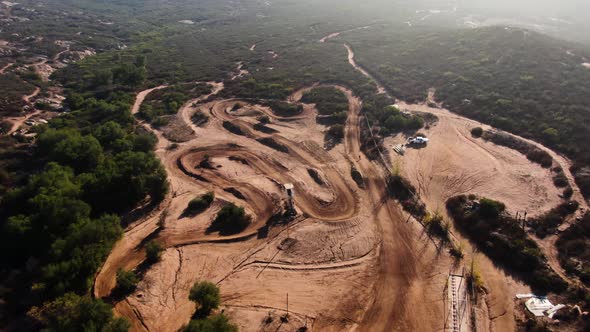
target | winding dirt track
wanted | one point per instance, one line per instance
(401, 273)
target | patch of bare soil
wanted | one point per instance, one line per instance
(455, 163)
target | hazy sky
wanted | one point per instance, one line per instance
(579, 9)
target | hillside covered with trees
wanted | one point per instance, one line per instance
(513, 79)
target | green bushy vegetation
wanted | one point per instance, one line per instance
(573, 247)
(85, 167)
(72, 313)
(126, 282)
(331, 103)
(206, 296)
(532, 152)
(232, 219)
(282, 108)
(270, 142)
(391, 121)
(201, 203)
(503, 239)
(503, 77)
(402, 190)
(332, 106)
(169, 100)
(214, 323)
(153, 252)
(477, 132)
(548, 223)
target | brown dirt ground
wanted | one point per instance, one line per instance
(344, 237)
(351, 260)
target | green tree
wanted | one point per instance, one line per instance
(197, 205)
(216, 323)
(73, 313)
(490, 209)
(206, 295)
(153, 251)
(126, 281)
(551, 135)
(231, 219)
(477, 132)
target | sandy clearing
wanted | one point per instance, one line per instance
(406, 259)
(454, 163)
(18, 122)
(496, 311)
(356, 247)
(586, 64)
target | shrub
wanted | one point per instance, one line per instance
(200, 119)
(231, 219)
(436, 226)
(336, 132)
(153, 251)
(264, 119)
(206, 295)
(502, 239)
(126, 281)
(160, 122)
(477, 132)
(216, 323)
(540, 157)
(270, 142)
(560, 180)
(233, 128)
(490, 209)
(197, 205)
(568, 192)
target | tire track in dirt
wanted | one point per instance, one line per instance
(180, 166)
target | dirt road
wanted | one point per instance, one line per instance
(3, 69)
(352, 61)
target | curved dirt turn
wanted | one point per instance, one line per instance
(358, 235)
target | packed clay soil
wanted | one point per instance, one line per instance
(455, 163)
(350, 259)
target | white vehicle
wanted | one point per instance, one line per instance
(418, 140)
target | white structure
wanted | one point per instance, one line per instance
(538, 305)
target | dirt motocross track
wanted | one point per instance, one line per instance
(349, 260)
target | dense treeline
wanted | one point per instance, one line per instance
(391, 120)
(59, 227)
(168, 101)
(503, 239)
(332, 106)
(515, 80)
